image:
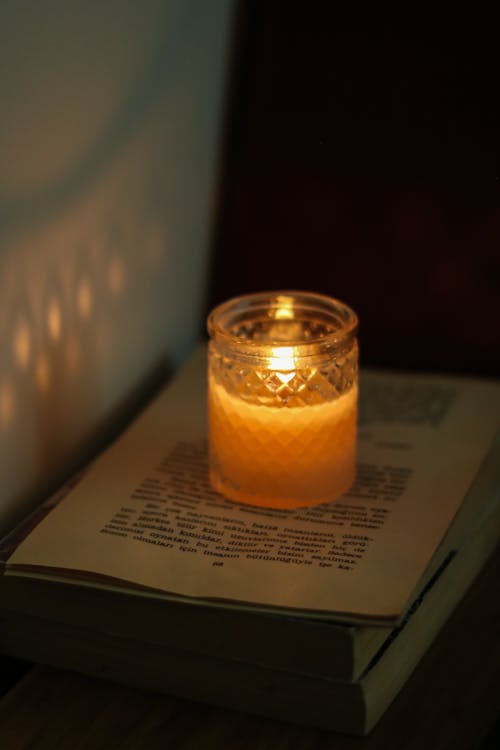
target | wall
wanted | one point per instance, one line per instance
(109, 145)
(369, 169)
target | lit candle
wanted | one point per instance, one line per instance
(282, 399)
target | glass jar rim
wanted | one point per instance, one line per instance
(341, 315)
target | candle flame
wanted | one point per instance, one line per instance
(285, 309)
(282, 362)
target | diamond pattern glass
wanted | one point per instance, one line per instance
(282, 399)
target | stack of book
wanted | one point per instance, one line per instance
(139, 573)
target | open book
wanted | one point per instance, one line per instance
(142, 548)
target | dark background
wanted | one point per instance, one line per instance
(363, 162)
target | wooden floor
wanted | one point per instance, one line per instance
(451, 701)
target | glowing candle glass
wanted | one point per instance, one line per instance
(282, 395)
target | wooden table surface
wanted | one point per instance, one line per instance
(451, 701)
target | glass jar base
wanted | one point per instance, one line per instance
(260, 500)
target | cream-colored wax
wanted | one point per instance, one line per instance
(281, 457)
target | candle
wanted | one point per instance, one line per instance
(282, 399)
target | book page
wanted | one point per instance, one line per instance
(145, 513)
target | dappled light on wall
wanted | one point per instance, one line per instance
(116, 275)
(84, 298)
(54, 320)
(22, 344)
(103, 250)
(75, 323)
(7, 403)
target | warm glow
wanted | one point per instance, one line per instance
(260, 455)
(282, 409)
(84, 298)
(6, 404)
(116, 275)
(283, 362)
(285, 309)
(285, 327)
(54, 320)
(42, 372)
(22, 344)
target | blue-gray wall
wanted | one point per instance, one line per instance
(109, 142)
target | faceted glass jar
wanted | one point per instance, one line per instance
(282, 398)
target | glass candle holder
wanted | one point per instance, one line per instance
(282, 398)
